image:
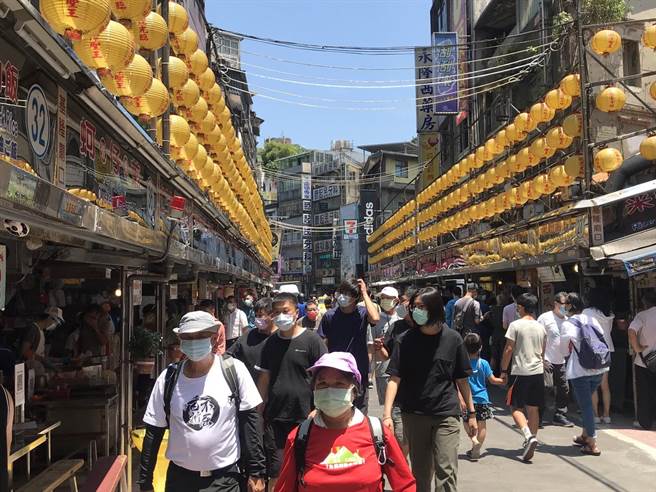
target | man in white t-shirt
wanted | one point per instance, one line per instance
(510, 312)
(236, 322)
(205, 425)
(554, 358)
(642, 337)
(525, 342)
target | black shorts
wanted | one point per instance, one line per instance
(483, 412)
(275, 437)
(527, 391)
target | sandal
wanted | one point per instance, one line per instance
(588, 450)
(580, 441)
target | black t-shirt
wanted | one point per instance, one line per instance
(287, 360)
(348, 333)
(428, 366)
(248, 349)
(392, 336)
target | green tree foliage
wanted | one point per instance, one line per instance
(273, 150)
(602, 11)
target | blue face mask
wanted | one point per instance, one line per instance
(284, 322)
(196, 349)
(343, 300)
(420, 316)
(563, 310)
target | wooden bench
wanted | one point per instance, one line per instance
(54, 476)
(107, 474)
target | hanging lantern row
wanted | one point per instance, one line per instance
(203, 140)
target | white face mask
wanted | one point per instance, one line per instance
(196, 349)
(387, 304)
(402, 310)
(343, 300)
(333, 401)
(284, 322)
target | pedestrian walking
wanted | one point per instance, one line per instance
(340, 449)
(642, 336)
(312, 318)
(589, 359)
(467, 311)
(554, 359)
(448, 309)
(599, 308)
(209, 404)
(525, 343)
(346, 328)
(429, 365)
(236, 322)
(510, 312)
(481, 375)
(389, 299)
(248, 348)
(284, 382)
(247, 307)
(219, 340)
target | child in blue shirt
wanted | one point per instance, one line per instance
(481, 375)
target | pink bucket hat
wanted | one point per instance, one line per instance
(342, 361)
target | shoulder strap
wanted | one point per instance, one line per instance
(230, 373)
(300, 446)
(170, 380)
(378, 438)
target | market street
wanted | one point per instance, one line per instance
(627, 454)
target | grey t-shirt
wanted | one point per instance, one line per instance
(379, 331)
(472, 312)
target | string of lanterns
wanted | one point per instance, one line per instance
(115, 38)
(440, 199)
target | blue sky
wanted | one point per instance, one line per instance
(334, 22)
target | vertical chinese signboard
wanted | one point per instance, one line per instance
(60, 153)
(429, 148)
(445, 72)
(306, 198)
(425, 90)
(459, 20)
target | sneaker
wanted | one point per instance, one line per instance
(529, 448)
(475, 452)
(470, 455)
(562, 421)
(597, 420)
(605, 420)
(371, 385)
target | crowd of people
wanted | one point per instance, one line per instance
(283, 404)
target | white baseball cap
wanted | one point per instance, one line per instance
(390, 292)
(196, 321)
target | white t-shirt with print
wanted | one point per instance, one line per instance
(203, 432)
(644, 324)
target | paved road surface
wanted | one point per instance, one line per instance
(627, 463)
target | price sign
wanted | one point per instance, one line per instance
(38, 121)
(21, 187)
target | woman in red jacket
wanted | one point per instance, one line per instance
(339, 451)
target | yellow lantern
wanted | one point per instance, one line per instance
(514, 166)
(608, 159)
(207, 79)
(610, 99)
(197, 62)
(179, 131)
(571, 85)
(185, 43)
(178, 18)
(543, 186)
(648, 148)
(178, 72)
(606, 42)
(526, 158)
(133, 80)
(649, 36)
(130, 9)
(557, 99)
(198, 111)
(187, 96)
(513, 196)
(189, 150)
(575, 166)
(503, 171)
(652, 90)
(558, 139)
(214, 98)
(559, 177)
(501, 140)
(524, 193)
(75, 19)
(112, 49)
(150, 33)
(541, 149)
(490, 149)
(542, 113)
(511, 133)
(524, 123)
(481, 157)
(152, 104)
(573, 125)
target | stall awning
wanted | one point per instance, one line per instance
(628, 245)
(638, 261)
(615, 196)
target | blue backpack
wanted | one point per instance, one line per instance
(593, 352)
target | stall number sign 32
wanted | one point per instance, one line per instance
(38, 121)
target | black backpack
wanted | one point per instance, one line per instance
(229, 372)
(303, 435)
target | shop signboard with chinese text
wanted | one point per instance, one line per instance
(629, 216)
(445, 72)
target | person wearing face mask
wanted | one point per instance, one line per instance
(235, 321)
(429, 366)
(337, 448)
(389, 299)
(33, 345)
(249, 309)
(248, 348)
(209, 404)
(554, 358)
(284, 382)
(312, 318)
(346, 328)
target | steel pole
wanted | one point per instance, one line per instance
(166, 124)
